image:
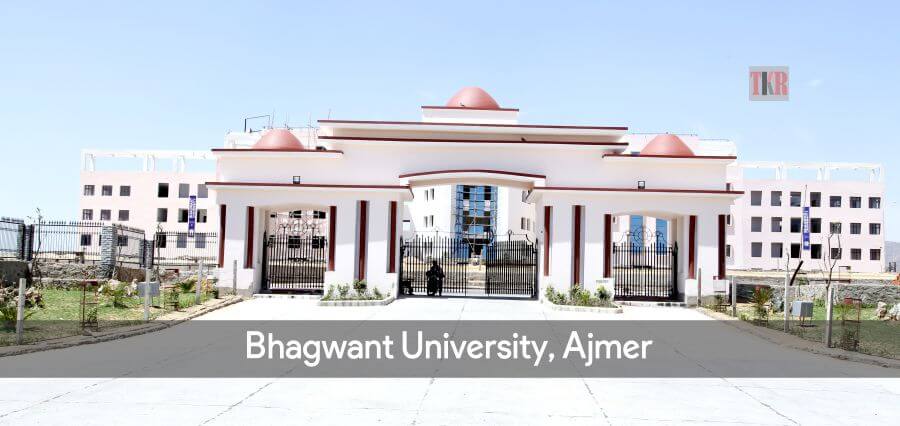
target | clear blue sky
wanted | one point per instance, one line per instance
(177, 76)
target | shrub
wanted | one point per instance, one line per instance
(117, 291)
(376, 293)
(360, 287)
(343, 291)
(329, 294)
(187, 285)
(760, 300)
(9, 304)
(577, 296)
(602, 293)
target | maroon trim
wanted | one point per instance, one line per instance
(576, 244)
(248, 257)
(332, 151)
(431, 123)
(674, 191)
(692, 251)
(222, 211)
(467, 108)
(607, 246)
(721, 246)
(392, 244)
(496, 172)
(332, 235)
(548, 211)
(693, 157)
(363, 239)
(472, 141)
(309, 185)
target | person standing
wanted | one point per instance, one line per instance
(435, 276)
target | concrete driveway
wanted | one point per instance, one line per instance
(448, 401)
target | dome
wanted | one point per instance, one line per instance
(281, 139)
(667, 145)
(473, 97)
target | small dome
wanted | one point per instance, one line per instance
(281, 139)
(667, 145)
(473, 97)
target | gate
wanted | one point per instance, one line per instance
(645, 271)
(294, 263)
(502, 267)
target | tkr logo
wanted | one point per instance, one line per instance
(768, 83)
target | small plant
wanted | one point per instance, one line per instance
(762, 297)
(343, 291)
(360, 287)
(602, 293)
(329, 294)
(9, 304)
(117, 292)
(187, 285)
(376, 294)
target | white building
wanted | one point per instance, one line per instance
(846, 216)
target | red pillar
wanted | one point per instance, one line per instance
(692, 250)
(548, 211)
(248, 256)
(362, 240)
(221, 236)
(721, 246)
(392, 244)
(332, 235)
(607, 246)
(576, 243)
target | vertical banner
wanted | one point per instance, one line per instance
(805, 223)
(192, 215)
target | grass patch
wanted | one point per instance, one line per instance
(61, 314)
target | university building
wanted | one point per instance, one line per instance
(506, 208)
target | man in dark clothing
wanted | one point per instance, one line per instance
(435, 277)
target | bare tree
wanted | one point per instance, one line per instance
(829, 263)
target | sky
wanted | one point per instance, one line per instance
(179, 75)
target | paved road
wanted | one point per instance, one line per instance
(450, 401)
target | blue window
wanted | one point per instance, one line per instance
(662, 231)
(636, 229)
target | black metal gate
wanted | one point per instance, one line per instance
(645, 271)
(294, 263)
(505, 266)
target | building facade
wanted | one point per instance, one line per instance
(846, 217)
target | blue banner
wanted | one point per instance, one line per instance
(805, 223)
(192, 214)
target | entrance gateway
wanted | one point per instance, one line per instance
(369, 180)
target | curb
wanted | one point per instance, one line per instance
(593, 309)
(114, 334)
(381, 302)
(794, 342)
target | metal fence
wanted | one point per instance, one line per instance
(183, 249)
(11, 233)
(74, 241)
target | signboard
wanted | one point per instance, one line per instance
(769, 84)
(805, 223)
(192, 215)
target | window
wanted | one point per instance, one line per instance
(796, 198)
(834, 201)
(89, 190)
(815, 199)
(875, 254)
(184, 190)
(202, 191)
(125, 191)
(161, 240)
(85, 240)
(815, 251)
(182, 215)
(181, 240)
(105, 215)
(755, 224)
(121, 240)
(162, 215)
(106, 190)
(856, 254)
(199, 240)
(728, 219)
(776, 198)
(407, 225)
(727, 250)
(776, 224)
(523, 223)
(796, 225)
(874, 202)
(855, 202)
(795, 250)
(431, 193)
(201, 216)
(874, 229)
(755, 198)
(319, 214)
(835, 228)
(756, 249)
(777, 250)
(162, 190)
(123, 215)
(815, 225)
(87, 214)
(855, 228)
(836, 253)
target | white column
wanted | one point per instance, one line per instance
(594, 231)
(561, 246)
(345, 244)
(235, 247)
(377, 248)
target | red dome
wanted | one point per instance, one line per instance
(473, 97)
(667, 145)
(278, 139)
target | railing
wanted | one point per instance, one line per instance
(183, 249)
(11, 233)
(74, 241)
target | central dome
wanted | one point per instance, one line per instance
(669, 145)
(473, 97)
(278, 139)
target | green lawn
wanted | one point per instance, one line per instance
(61, 315)
(879, 338)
